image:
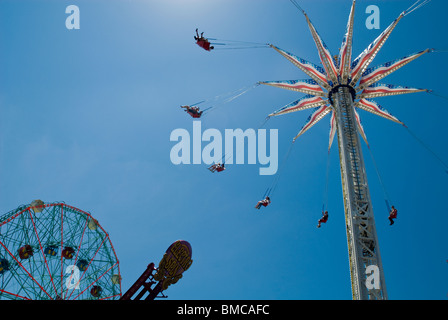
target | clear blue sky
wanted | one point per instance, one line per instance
(86, 117)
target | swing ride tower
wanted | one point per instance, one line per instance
(340, 88)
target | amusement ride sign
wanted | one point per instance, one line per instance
(175, 261)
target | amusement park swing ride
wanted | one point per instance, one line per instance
(350, 86)
(339, 88)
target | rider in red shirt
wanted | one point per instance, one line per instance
(203, 42)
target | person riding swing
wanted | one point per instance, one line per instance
(323, 219)
(265, 202)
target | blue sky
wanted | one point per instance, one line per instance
(86, 117)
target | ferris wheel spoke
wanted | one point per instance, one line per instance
(8, 281)
(14, 295)
(13, 217)
(80, 240)
(42, 250)
(5, 283)
(77, 253)
(105, 272)
(62, 242)
(110, 297)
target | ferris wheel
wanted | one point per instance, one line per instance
(53, 251)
